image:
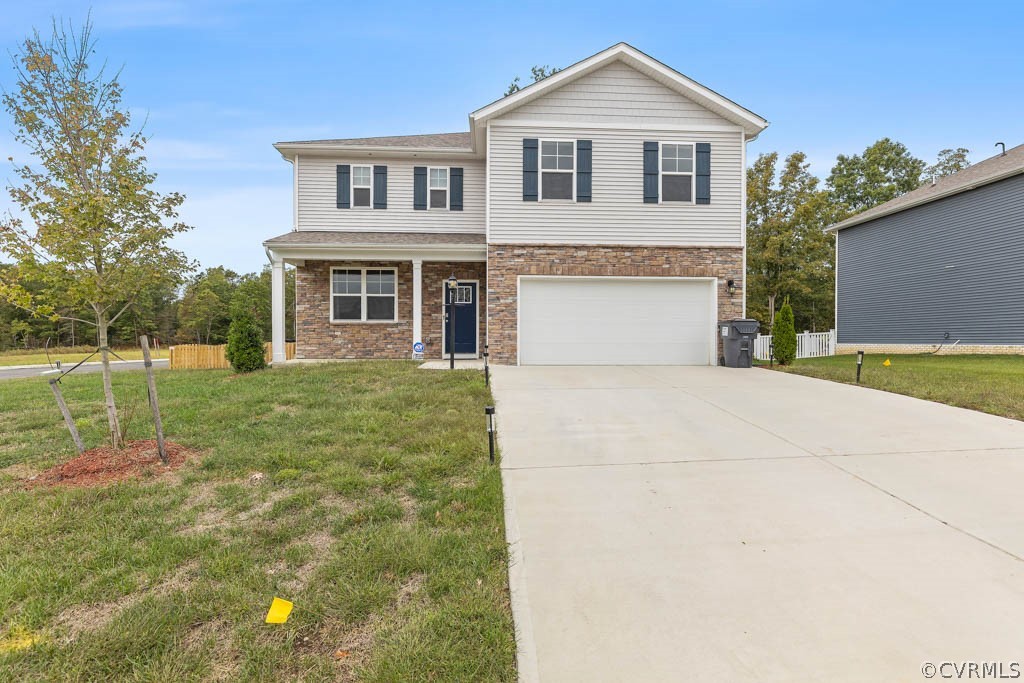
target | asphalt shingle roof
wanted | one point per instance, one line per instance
(984, 172)
(323, 237)
(430, 141)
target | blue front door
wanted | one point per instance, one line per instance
(465, 319)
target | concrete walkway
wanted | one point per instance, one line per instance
(709, 524)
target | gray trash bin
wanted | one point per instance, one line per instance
(738, 342)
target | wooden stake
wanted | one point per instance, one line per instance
(68, 420)
(157, 422)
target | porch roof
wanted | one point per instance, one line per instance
(334, 244)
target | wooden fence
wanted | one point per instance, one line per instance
(808, 345)
(211, 357)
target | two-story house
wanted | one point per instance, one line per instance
(594, 217)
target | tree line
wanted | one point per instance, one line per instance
(789, 254)
(198, 312)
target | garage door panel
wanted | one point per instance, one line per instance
(605, 321)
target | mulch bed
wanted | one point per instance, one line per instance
(104, 465)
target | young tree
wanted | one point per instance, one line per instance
(784, 336)
(950, 161)
(245, 344)
(539, 73)
(788, 253)
(886, 170)
(99, 232)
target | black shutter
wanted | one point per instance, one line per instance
(584, 167)
(419, 188)
(380, 187)
(650, 172)
(455, 199)
(344, 186)
(703, 168)
(530, 164)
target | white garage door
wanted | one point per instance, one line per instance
(615, 321)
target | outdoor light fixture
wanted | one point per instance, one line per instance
(731, 286)
(453, 283)
(487, 368)
(489, 412)
(860, 362)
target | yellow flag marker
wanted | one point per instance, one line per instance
(886, 363)
(279, 611)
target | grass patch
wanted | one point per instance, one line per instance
(360, 491)
(68, 355)
(991, 384)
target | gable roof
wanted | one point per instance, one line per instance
(751, 123)
(982, 173)
(434, 143)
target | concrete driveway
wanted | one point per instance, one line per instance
(709, 524)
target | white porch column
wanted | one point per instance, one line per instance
(277, 309)
(417, 300)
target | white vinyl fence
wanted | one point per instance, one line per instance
(808, 345)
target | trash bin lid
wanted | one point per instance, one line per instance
(746, 326)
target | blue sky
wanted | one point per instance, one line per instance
(220, 81)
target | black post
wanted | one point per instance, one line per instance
(451, 328)
(860, 362)
(489, 412)
(487, 369)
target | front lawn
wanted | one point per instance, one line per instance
(991, 384)
(377, 514)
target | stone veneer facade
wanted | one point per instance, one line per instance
(505, 262)
(317, 338)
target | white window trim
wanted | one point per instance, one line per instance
(692, 173)
(541, 170)
(352, 191)
(447, 187)
(362, 295)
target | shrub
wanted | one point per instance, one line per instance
(245, 344)
(784, 336)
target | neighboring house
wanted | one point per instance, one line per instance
(594, 217)
(941, 265)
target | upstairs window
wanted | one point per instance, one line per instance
(676, 172)
(438, 188)
(362, 192)
(557, 170)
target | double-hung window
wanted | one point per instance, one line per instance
(438, 188)
(557, 169)
(364, 294)
(362, 186)
(676, 172)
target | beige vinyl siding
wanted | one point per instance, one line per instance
(617, 213)
(617, 94)
(317, 198)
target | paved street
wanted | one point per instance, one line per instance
(16, 372)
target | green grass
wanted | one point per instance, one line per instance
(378, 516)
(991, 384)
(67, 355)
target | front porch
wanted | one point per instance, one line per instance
(379, 295)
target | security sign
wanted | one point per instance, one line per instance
(417, 347)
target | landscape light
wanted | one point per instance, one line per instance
(489, 412)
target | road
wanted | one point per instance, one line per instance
(19, 371)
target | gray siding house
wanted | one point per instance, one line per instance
(942, 265)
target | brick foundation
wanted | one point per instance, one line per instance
(959, 349)
(318, 338)
(505, 262)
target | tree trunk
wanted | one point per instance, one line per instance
(108, 389)
(771, 312)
